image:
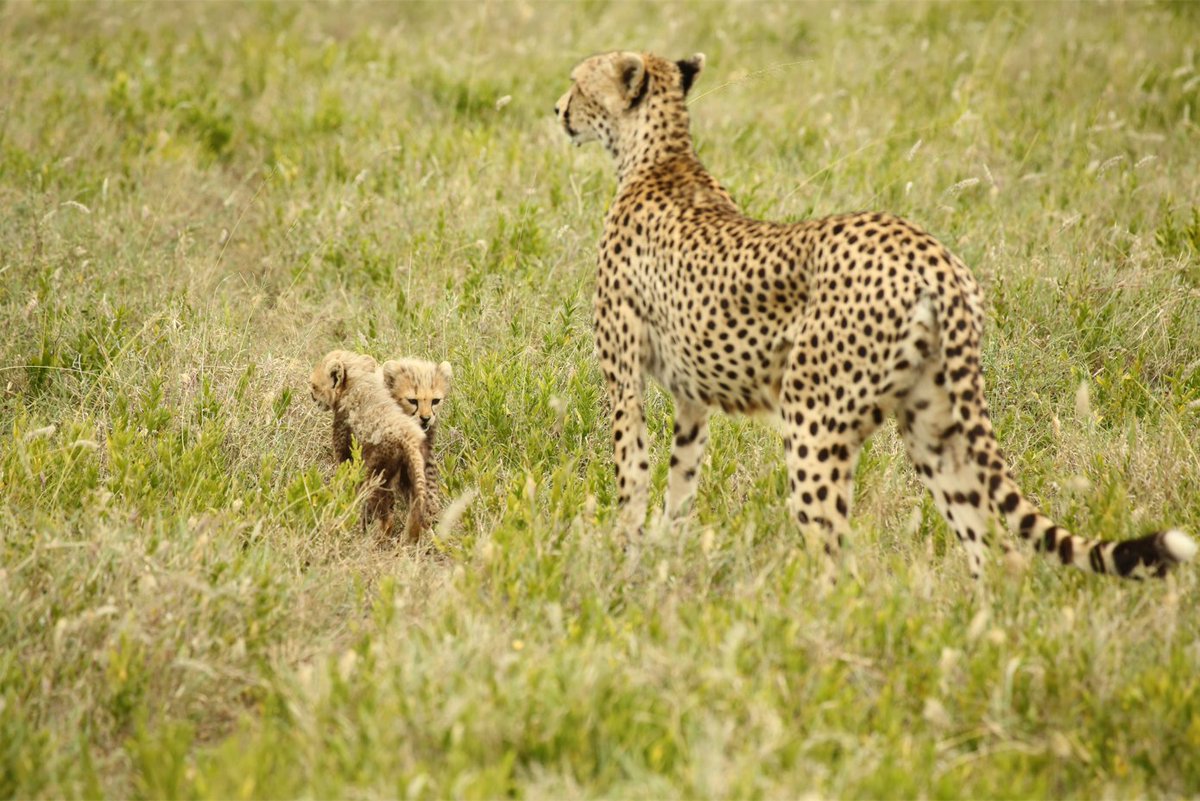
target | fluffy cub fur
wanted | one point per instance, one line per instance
(351, 386)
(419, 388)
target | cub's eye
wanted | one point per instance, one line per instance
(436, 401)
(413, 401)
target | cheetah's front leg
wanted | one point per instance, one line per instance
(630, 458)
(691, 435)
(620, 340)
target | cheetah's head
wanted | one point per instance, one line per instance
(609, 92)
(419, 387)
(333, 373)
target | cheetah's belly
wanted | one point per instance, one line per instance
(716, 367)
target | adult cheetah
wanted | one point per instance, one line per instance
(830, 324)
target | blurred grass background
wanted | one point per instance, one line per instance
(201, 199)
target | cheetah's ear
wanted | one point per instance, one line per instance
(689, 69)
(337, 373)
(630, 72)
(446, 372)
(391, 371)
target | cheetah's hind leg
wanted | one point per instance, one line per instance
(691, 435)
(938, 448)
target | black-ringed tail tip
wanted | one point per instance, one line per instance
(1153, 554)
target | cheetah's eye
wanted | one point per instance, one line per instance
(436, 401)
(413, 401)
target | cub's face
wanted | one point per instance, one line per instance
(419, 387)
(329, 378)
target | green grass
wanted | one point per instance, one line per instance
(199, 200)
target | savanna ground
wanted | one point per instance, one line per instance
(199, 200)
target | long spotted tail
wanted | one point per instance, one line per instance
(960, 326)
(1151, 555)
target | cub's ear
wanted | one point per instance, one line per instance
(337, 373)
(390, 369)
(446, 372)
(630, 71)
(689, 68)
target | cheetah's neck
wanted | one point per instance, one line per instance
(659, 134)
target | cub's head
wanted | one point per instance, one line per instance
(333, 373)
(419, 387)
(611, 90)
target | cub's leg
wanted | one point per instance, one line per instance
(415, 523)
(691, 435)
(379, 505)
(407, 483)
(341, 436)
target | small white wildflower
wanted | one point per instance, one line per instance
(1060, 746)
(991, 178)
(978, 623)
(966, 183)
(1083, 403)
(1109, 164)
(39, 433)
(346, 664)
(915, 517)
(1079, 484)
(453, 513)
(935, 713)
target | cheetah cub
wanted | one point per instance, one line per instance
(827, 326)
(419, 388)
(351, 386)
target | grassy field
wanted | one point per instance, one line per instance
(198, 200)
